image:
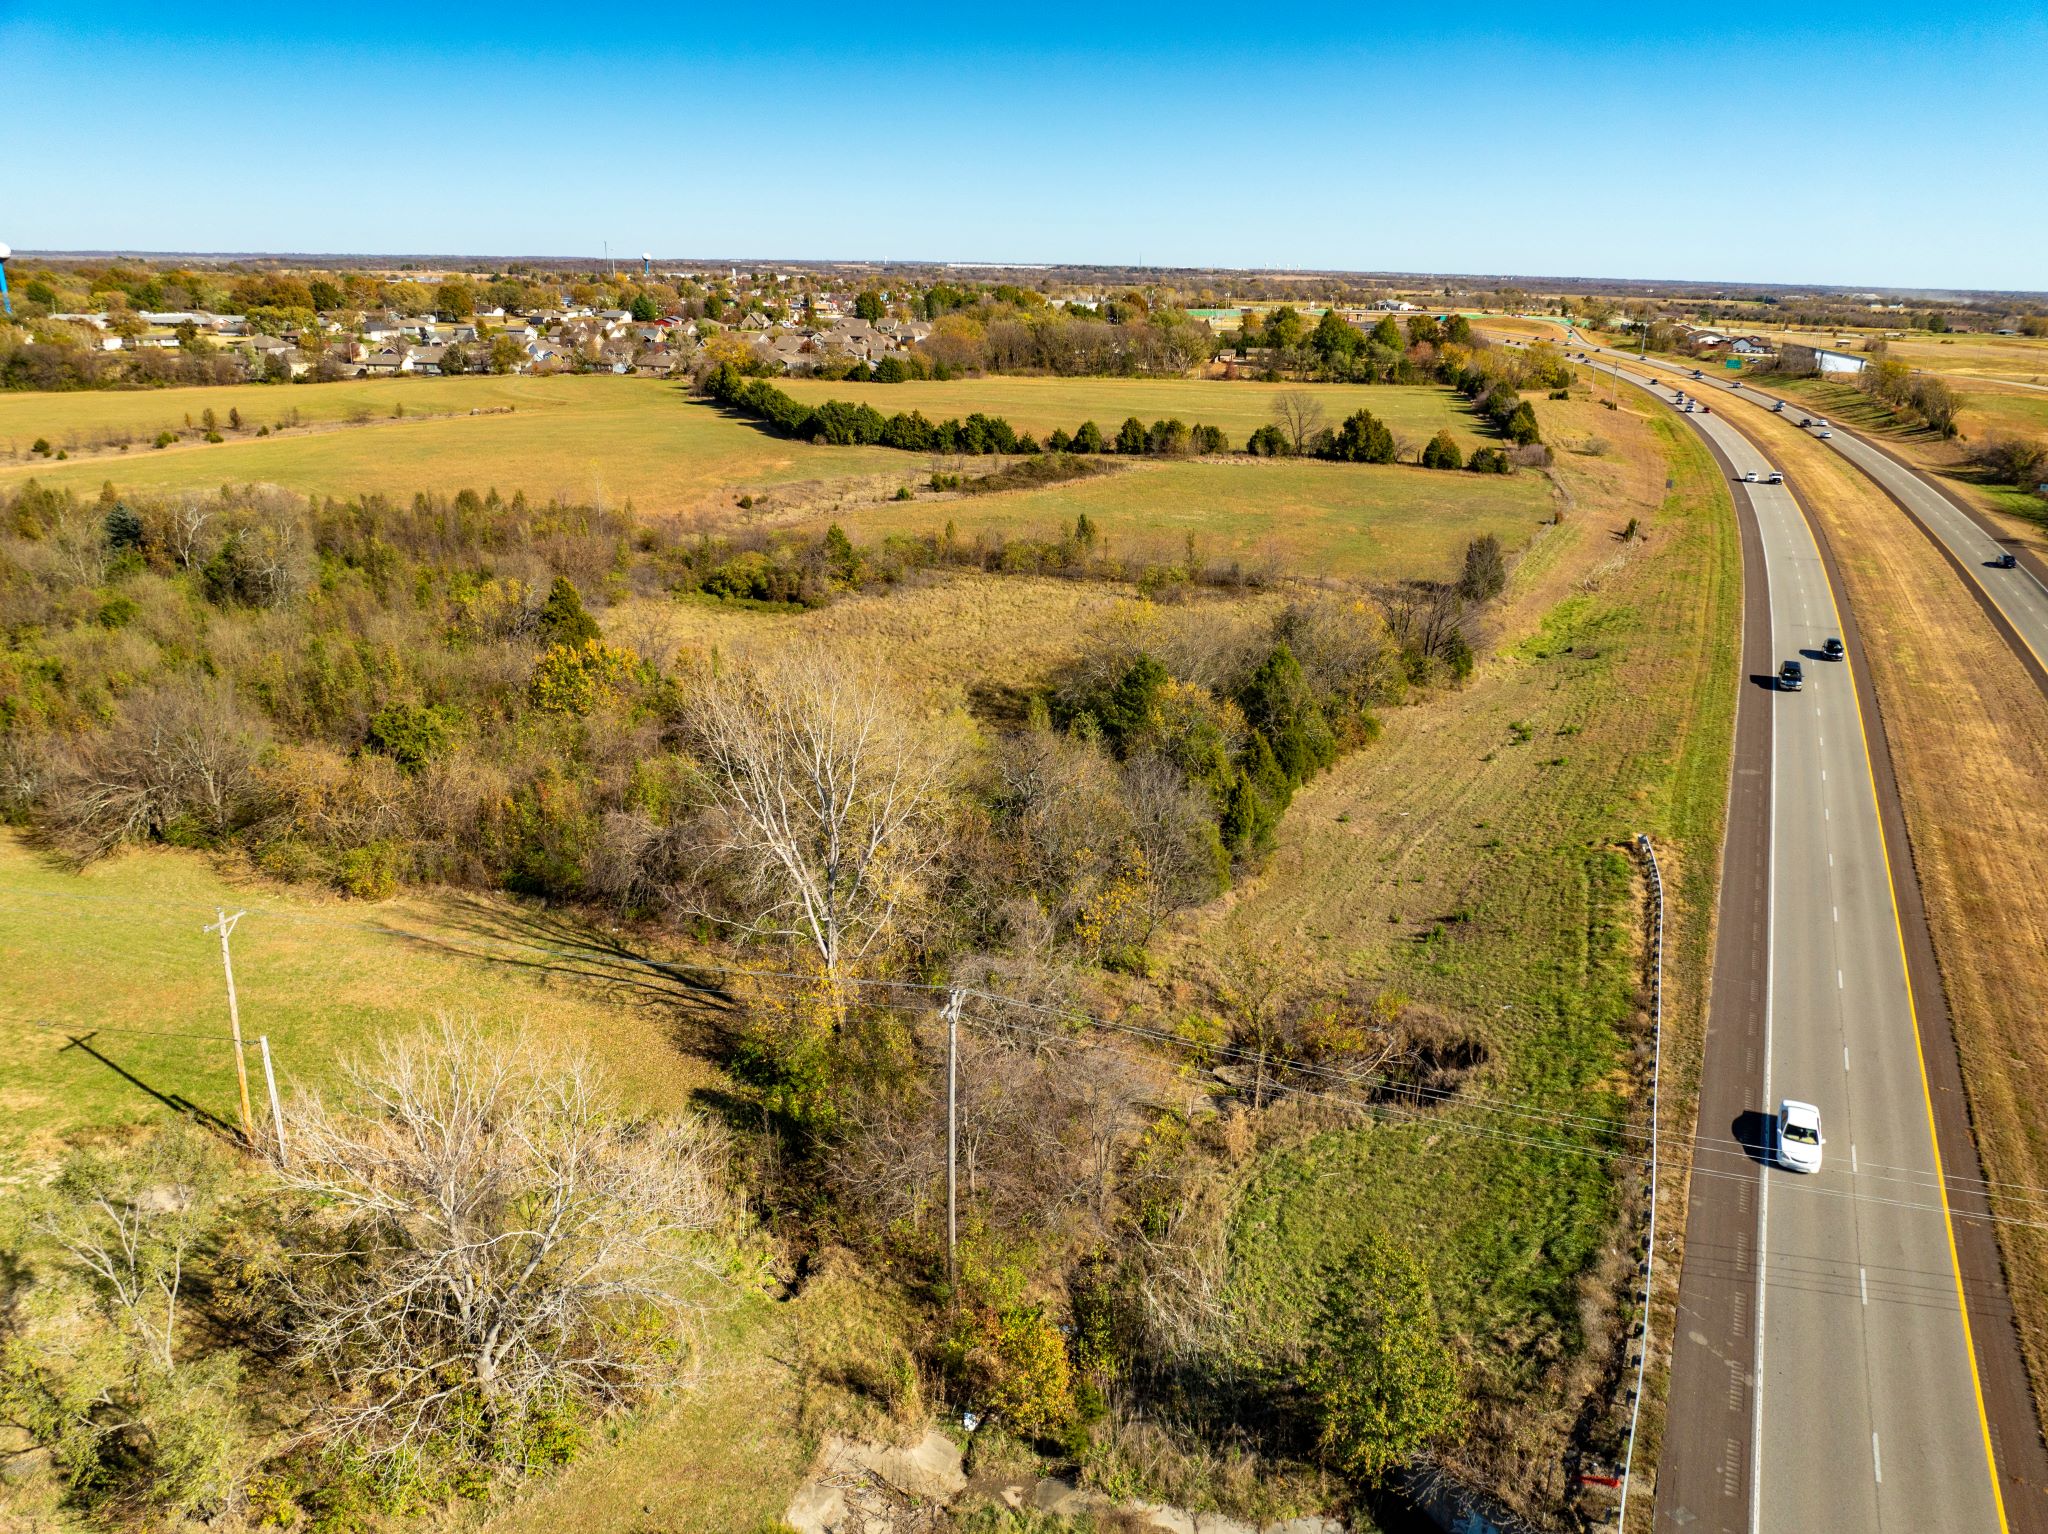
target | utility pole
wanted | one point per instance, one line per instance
(270, 1081)
(225, 925)
(952, 1009)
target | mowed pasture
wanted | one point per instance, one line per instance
(115, 959)
(1282, 516)
(579, 438)
(1239, 407)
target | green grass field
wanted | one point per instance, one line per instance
(1038, 405)
(116, 956)
(1476, 859)
(585, 438)
(1382, 522)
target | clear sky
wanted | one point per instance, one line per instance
(1790, 143)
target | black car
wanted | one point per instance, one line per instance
(1791, 676)
(1832, 649)
(2006, 560)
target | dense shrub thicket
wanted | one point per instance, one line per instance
(371, 692)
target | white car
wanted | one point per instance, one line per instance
(1799, 1136)
(1826, 435)
(1749, 478)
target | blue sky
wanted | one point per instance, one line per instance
(1792, 143)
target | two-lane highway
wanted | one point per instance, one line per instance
(1862, 1394)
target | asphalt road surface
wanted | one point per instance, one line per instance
(1859, 1381)
(2018, 594)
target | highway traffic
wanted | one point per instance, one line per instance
(1863, 1411)
(2014, 590)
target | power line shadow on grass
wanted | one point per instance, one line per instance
(555, 944)
(82, 1042)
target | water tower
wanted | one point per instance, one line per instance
(646, 265)
(6, 298)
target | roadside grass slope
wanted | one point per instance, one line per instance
(1475, 859)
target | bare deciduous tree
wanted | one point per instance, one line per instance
(179, 751)
(488, 1226)
(828, 800)
(1299, 415)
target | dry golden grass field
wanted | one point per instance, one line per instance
(1967, 357)
(579, 438)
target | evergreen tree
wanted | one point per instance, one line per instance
(124, 528)
(563, 620)
(1442, 452)
(1363, 438)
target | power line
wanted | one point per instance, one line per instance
(1703, 1150)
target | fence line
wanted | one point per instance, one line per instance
(1649, 1263)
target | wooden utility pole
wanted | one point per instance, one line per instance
(952, 1009)
(270, 1081)
(224, 926)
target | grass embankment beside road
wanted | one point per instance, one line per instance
(1968, 732)
(1476, 858)
(1982, 415)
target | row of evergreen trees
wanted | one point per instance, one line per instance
(1500, 402)
(844, 423)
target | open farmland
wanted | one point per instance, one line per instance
(579, 438)
(1039, 405)
(1288, 516)
(1964, 357)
